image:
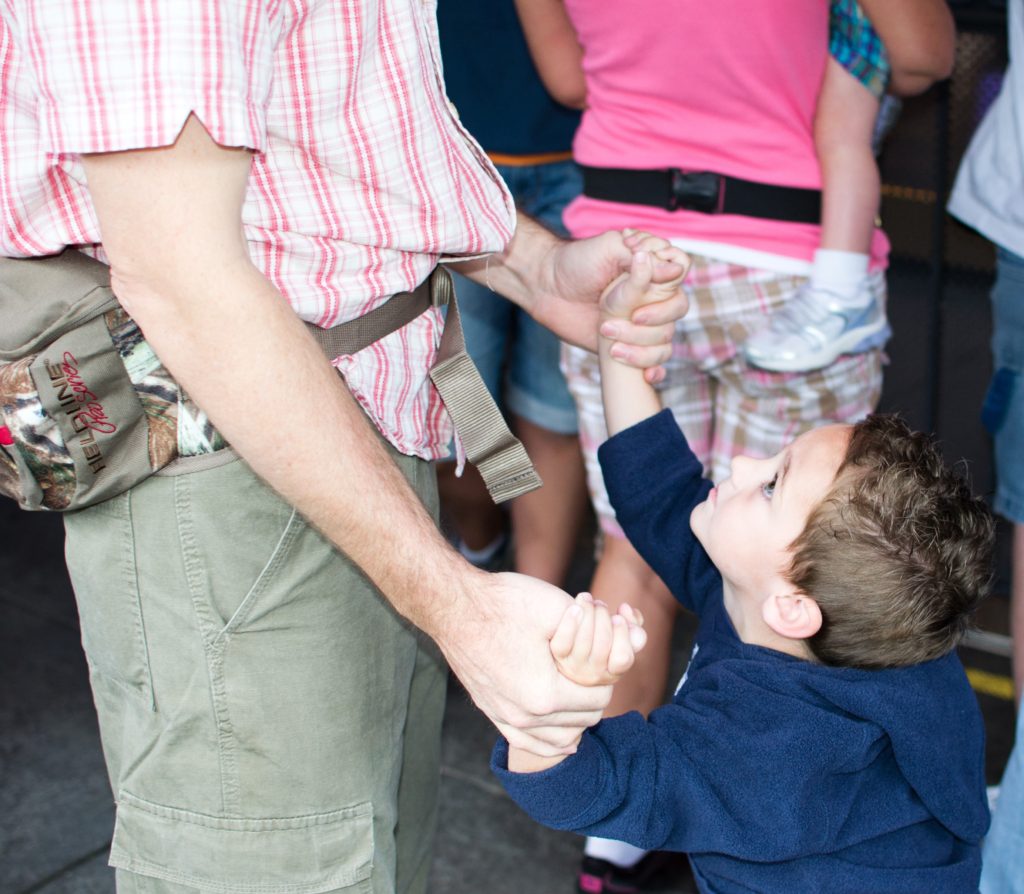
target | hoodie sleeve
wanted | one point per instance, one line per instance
(654, 482)
(684, 782)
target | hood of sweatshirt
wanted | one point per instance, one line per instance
(927, 713)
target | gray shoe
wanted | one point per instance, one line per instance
(814, 328)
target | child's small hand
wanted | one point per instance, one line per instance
(638, 287)
(593, 647)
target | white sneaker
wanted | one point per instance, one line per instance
(815, 328)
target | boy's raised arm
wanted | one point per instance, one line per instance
(628, 398)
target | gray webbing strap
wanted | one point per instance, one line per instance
(353, 336)
(498, 455)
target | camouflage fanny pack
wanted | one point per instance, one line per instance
(86, 408)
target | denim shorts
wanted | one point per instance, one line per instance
(1003, 410)
(1002, 855)
(517, 357)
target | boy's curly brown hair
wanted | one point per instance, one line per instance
(898, 554)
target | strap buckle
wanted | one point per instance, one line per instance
(702, 191)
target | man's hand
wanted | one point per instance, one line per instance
(582, 269)
(559, 283)
(499, 645)
(592, 646)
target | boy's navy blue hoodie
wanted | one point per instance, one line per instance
(774, 774)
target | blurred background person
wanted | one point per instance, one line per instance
(699, 126)
(528, 135)
(989, 195)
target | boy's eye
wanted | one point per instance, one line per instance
(768, 488)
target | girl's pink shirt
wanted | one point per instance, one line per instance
(729, 86)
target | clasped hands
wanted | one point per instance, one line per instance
(539, 664)
(592, 646)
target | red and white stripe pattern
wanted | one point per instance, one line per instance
(362, 176)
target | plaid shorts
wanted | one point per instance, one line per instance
(724, 406)
(855, 45)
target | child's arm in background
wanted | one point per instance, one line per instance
(843, 124)
(628, 398)
(555, 49)
(920, 37)
(591, 647)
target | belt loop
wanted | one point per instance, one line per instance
(498, 455)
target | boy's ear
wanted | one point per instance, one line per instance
(793, 614)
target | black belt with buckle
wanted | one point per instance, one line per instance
(703, 191)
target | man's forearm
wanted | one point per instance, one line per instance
(170, 220)
(516, 270)
(270, 391)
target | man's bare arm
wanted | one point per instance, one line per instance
(171, 225)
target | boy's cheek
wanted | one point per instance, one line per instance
(698, 522)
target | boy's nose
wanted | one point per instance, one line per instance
(738, 466)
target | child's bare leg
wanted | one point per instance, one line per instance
(544, 523)
(837, 312)
(843, 127)
(547, 521)
(479, 524)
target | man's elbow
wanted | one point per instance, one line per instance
(917, 67)
(160, 290)
(573, 98)
(906, 83)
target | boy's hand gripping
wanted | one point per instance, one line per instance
(625, 387)
(593, 647)
(625, 297)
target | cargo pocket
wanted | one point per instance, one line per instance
(317, 854)
(101, 560)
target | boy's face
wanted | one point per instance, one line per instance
(748, 522)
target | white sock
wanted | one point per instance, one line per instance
(842, 273)
(617, 852)
(483, 555)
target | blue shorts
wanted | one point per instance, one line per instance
(518, 358)
(1003, 411)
